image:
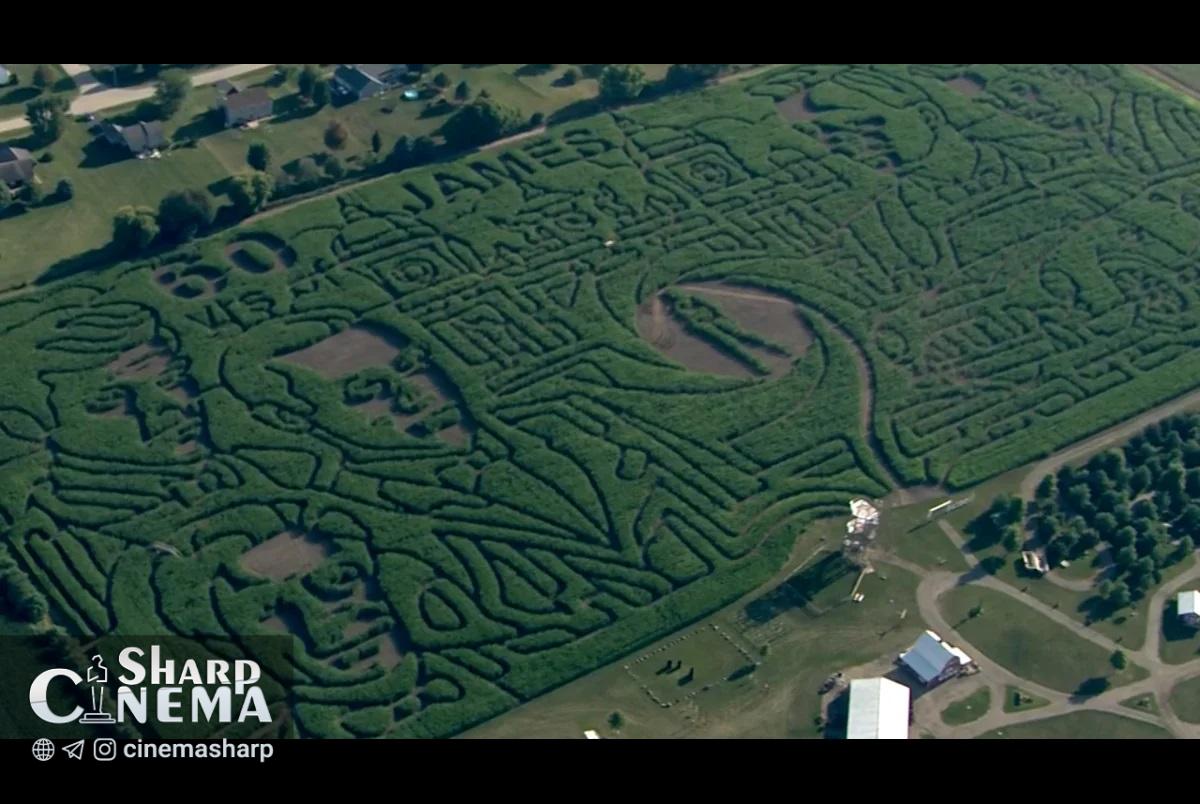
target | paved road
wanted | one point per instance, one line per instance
(96, 97)
(1151, 70)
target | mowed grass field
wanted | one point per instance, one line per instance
(780, 699)
(1185, 700)
(1080, 726)
(968, 709)
(1028, 643)
(37, 239)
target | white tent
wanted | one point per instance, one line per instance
(878, 710)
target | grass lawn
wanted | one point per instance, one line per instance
(1029, 644)
(32, 242)
(1185, 700)
(38, 238)
(13, 97)
(1080, 726)
(1018, 700)
(968, 709)
(906, 532)
(1179, 642)
(1142, 703)
(797, 648)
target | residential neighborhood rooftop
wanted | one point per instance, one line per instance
(16, 165)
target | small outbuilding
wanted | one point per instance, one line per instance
(933, 660)
(1188, 607)
(878, 710)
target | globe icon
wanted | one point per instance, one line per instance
(43, 749)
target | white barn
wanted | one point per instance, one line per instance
(878, 710)
(1188, 607)
(934, 660)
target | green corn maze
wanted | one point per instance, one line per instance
(475, 429)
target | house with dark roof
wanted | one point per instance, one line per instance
(16, 166)
(140, 138)
(365, 80)
(242, 106)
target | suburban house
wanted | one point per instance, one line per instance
(878, 710)
(933, 660)
(1188, 608)
(365, 80)
(140, 138)
(16, 166)
(243, 106)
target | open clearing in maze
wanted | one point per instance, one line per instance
(442, 378)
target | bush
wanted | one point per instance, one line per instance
(65, 190)
(258, 156)
(479, 122)
(570, 77)
(184, 214)
(47, 156)
(621, 82)
(134, 228)
(536, 119)
(336, 134)
(333, 167)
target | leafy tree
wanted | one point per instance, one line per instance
(171, 92)
(1119, 660)
(682, 75)
(336, 134)
(258, 156)
(334, 168)
(570, 77)
(321, 93)
(441, 80)
(1184, 548)
(307, 174)
(34, 194)
(423, 149)
(621, 82)
(250, 193)
(43, 76)
(307, 81)
(401, 156)
(134, 228)
(462, 91)
(65, 190)
(376, 142)
(615, 720)
(184, 213)
(1120, 597)
(1139, 480)
(1047, 489)
(47, 117)
(479, 122)
(1011, 539)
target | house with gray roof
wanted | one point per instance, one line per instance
(16, 166)
(140, 138)
(365, 80)
(245, 105)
